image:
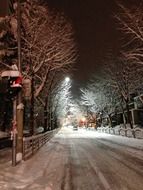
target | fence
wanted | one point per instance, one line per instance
(32, 144)
(136, 132)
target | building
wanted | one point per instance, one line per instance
(6, 8)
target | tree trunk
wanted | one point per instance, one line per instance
(32, 106)
(128, 114)
(110, 120)
(46, 114)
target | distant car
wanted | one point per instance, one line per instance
(75, 128)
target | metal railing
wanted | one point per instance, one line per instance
(32, 144)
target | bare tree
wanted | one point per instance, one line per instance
(48, 46)
(7, 44)
(49, 43)
(126, 79)
(100, 97)
(131, 25)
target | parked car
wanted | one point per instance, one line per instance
(75, 127)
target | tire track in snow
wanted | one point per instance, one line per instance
(97, 171)
(67, 177)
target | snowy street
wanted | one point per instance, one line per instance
(79, 160)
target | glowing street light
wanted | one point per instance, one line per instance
(67, 79)
(83, 119)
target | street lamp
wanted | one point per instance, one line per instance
(67, 79)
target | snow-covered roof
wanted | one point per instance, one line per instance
(10, 73)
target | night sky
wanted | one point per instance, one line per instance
(95, 31)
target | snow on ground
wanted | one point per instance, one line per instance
(5, 156)
(79, 160)
(131, 145)
(136, 143)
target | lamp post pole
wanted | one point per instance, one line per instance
(20, 106)
(19, 33)
(14, 133)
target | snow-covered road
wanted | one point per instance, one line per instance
(79, 160)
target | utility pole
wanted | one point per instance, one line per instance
(14, 133)
(20, 106)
